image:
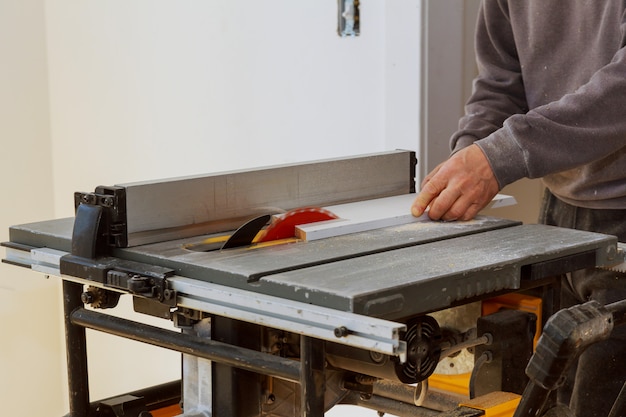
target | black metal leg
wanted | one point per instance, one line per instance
(76, 351)
(313, 381)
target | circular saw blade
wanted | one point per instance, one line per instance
(284, 227)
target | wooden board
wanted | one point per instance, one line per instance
(373, 214)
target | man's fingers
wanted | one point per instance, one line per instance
(461, 209)
(430, 175)
(429, 192)
(420, 204)
(447, 205)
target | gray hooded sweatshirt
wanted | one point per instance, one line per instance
(550, 97)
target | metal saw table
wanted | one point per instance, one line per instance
(327, 301)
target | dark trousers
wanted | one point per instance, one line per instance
(593, 385)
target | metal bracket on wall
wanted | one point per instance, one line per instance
(349, 18)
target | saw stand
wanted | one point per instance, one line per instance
(322, 319)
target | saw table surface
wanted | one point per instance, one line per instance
(391, 272)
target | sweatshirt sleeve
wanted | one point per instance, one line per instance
(498, 90)
(580, 127)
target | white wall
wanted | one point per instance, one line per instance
(403, 74)
(31, 351)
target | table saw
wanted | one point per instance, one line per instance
(341, 311)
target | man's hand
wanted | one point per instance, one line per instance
(458, 188)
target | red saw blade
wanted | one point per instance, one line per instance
(284, 227)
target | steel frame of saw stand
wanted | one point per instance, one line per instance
(308, 372)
